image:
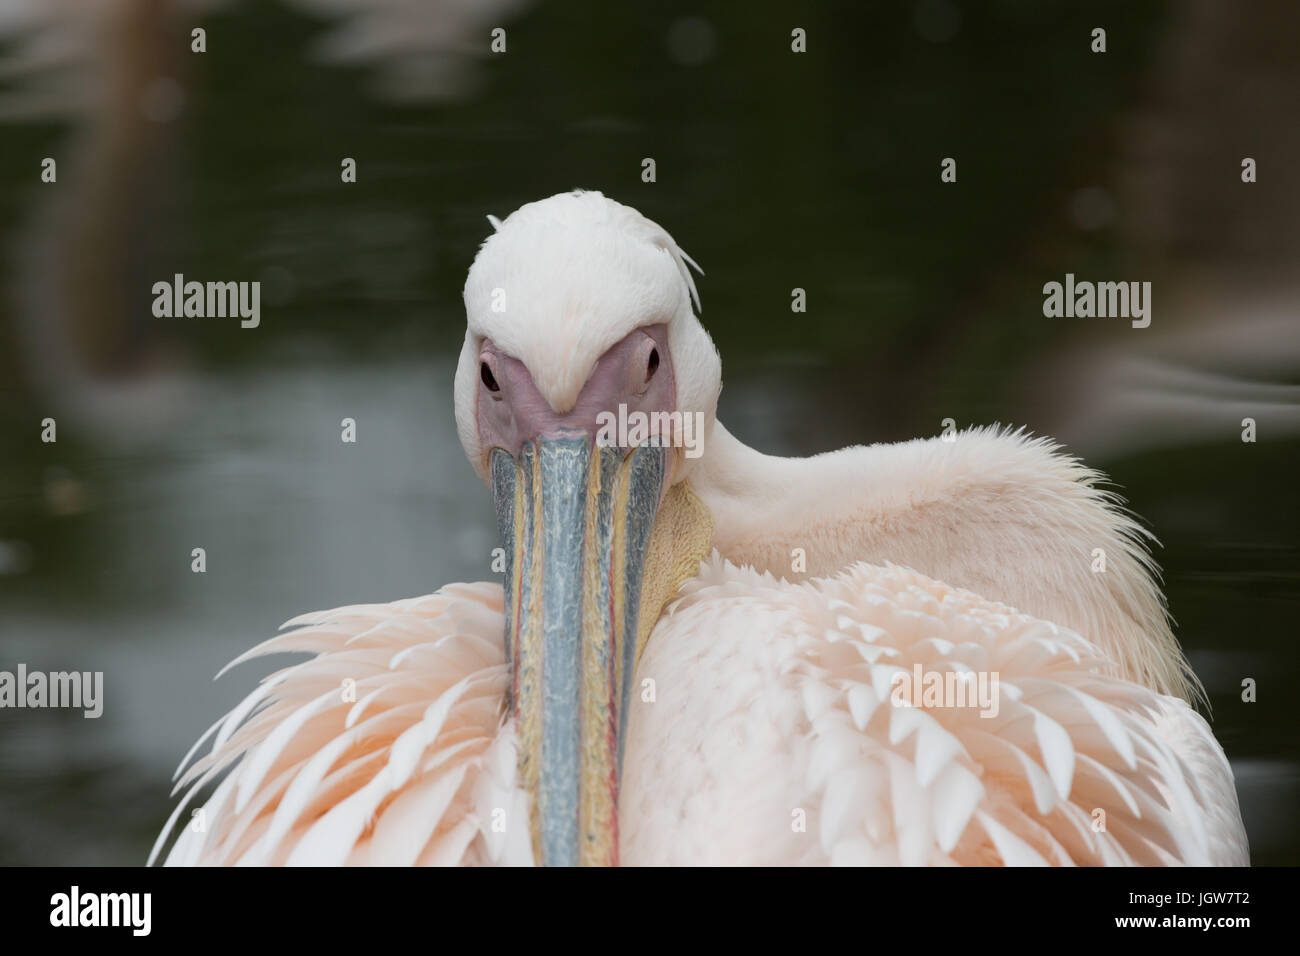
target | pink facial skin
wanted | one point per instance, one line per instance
(637, 372)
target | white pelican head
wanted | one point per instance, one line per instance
(580, 312)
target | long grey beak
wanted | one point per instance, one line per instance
(576, 523)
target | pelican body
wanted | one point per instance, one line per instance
(700, 654)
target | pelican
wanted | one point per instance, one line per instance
(885, 655)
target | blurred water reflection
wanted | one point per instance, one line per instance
(774, 173)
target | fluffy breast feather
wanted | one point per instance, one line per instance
(773, 738)
(762, 731)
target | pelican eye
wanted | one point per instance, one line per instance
(652, 365)
(488, 378)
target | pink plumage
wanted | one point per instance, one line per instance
(951, 651)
